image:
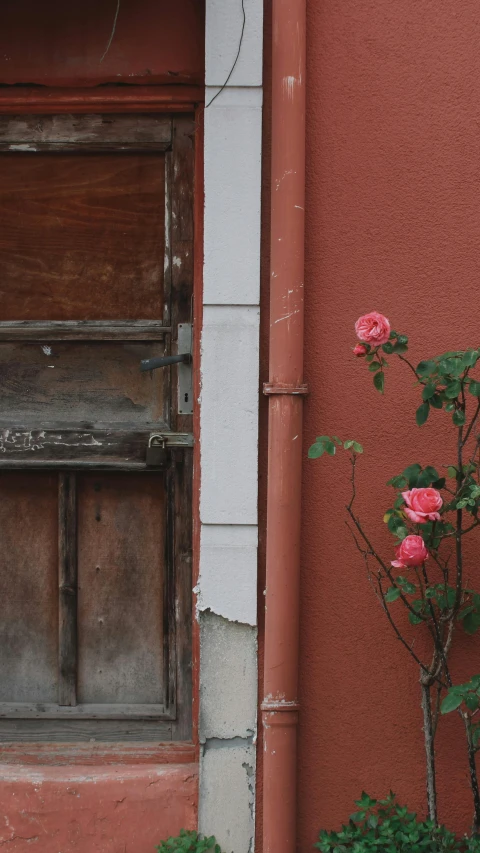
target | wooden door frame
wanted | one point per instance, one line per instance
(158, 99)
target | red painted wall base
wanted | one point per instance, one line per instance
(116, 809)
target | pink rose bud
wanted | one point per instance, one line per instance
(422, 505)
(373, 329)
(359, 350)
(411, 552)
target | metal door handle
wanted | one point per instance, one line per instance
(153, 363)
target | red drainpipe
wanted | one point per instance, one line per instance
(286, 390)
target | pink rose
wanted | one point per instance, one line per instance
(422, 505)
(373, 328)
(410, 552)
(360, 350)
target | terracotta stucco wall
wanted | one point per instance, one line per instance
(393, 224)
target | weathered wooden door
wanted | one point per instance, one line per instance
(96, 260)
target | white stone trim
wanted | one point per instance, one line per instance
(227, 587)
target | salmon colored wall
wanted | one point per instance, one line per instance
(393, 224)
(58, 43)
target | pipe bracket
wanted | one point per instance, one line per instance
(271, 388)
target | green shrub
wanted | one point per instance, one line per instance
(189, 841)
(384, 826)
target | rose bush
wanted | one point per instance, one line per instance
(430, 517)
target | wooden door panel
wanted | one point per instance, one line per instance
(121, 574)
(96, 269)
(28, 587)
(75, 383)
(82, 237)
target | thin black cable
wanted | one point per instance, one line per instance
(236, 58)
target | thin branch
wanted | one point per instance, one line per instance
(402, 358)
(472, 424)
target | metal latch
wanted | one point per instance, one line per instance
(160, 442)
(184, 372)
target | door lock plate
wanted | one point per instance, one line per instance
(184, 371)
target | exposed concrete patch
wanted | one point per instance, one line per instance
(228, 685)
(228, 702)
(227, 804)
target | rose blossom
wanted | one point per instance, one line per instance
(411, 552)
(422, 505)
(360, 350)
(373, 328)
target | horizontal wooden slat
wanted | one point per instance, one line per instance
(83, 330)
(67, 132)
(74, 731)
(56, 448)
(37, 711)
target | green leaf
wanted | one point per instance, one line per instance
(388, 348)
(330, 448)
(474, 388)
(437, 401)
(412, 473)
(400, 348)
(316, 450)
(414, 620)
(398, 482)
(453, 389)
(422, 413)
(439, 484)
(375, 365)
(337, 440)
(451, 702)
(396, 526)
(428, 391)
(452, 472)
(426, 368)
(379, 381)
(348, 445)
(357, 447)
(450, 407)
(471, 701)
(471, 623)
(402, 339)
(458, 417)
(470, 358)
(392, 594)
(427, 476)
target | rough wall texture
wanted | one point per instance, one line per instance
(95, 809)
(393, 224)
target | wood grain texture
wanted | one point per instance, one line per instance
(67, 589)
(56, 448)
(81, 237)
(79, 384)
(28, 587)
(121, 576)
(83, 330)
(101, 711)
(73, 731)
(91, 131)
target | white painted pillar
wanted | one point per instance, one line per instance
(227, 589)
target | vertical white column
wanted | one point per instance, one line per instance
(227, 589)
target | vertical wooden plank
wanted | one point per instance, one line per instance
(182, 234)
(182, 243)
(67, 584)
